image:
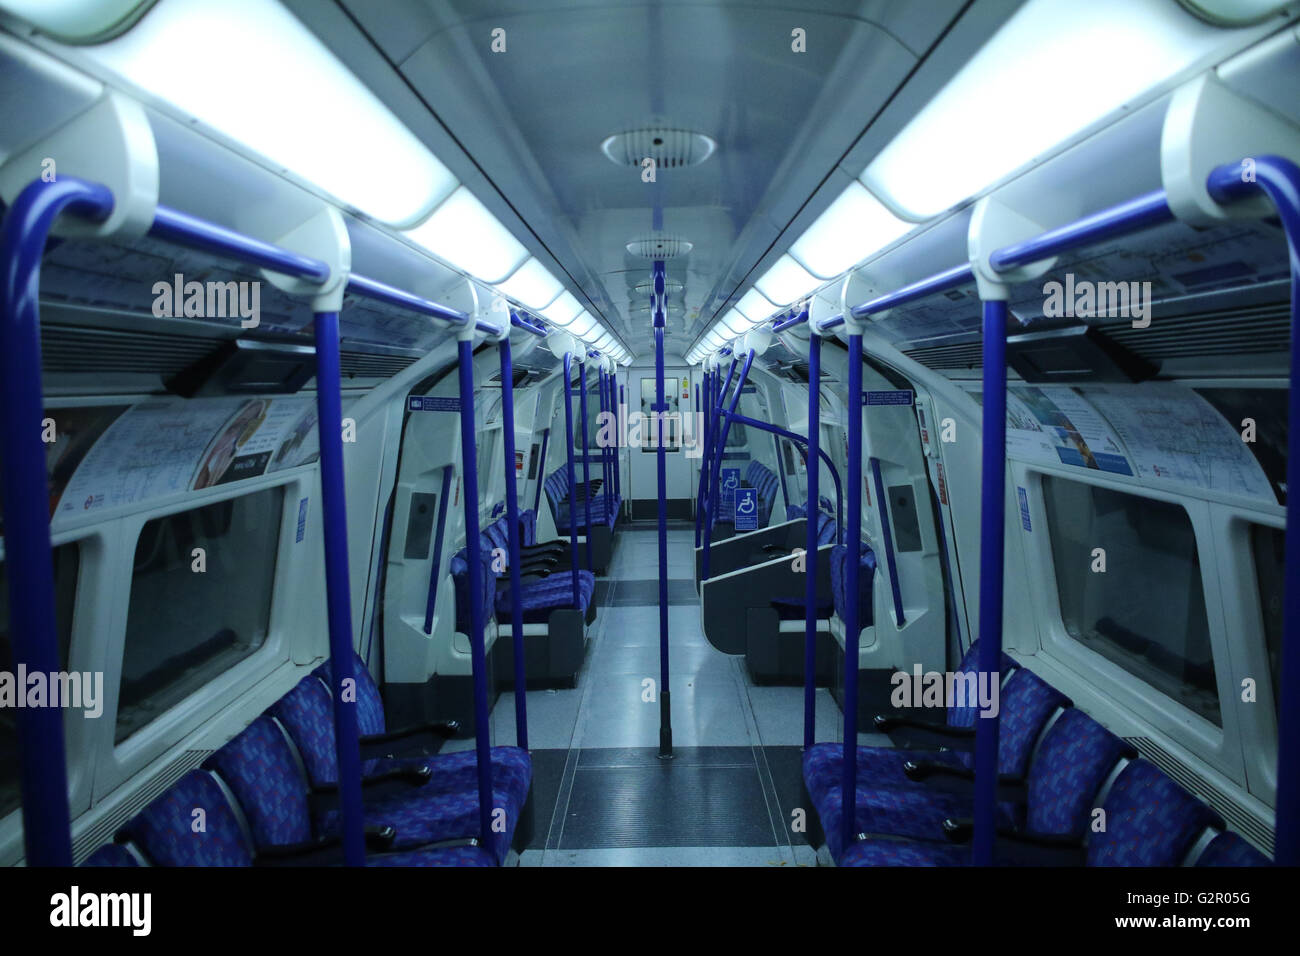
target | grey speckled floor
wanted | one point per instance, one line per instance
(602, 796)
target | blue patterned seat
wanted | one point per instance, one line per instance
(839, 581)
(1148, 819)
(889, 802)
(444, 808)
(1228, 849)
(604, 506)
(194, 823)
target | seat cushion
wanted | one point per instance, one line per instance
(1228, 849)
(260, 769)
(544, 595)
(903, 853)
(168, 830)
(1150, 820)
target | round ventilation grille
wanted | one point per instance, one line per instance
(659, 247)
(669, 148)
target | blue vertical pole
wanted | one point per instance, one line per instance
(718, 458)
(810, 554)
(709, 505)
(478, 656)
(661, 468)
(992, 533)
(852, 635)
(29, 557)
(329, 417)
(607, 409)
(705, 456)
(512, 541)
(618, 434)
(586, 461)
(541, 470)
(780, 470)
(573, 517)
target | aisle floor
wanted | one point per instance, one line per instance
(603, 797)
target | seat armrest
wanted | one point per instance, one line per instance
(326, 851)
(408, 738)
(941, 776)
(927, 735)
(1022, 848)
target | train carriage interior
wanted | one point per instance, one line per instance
(561, 433)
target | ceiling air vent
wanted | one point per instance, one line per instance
(659, 247)
(669, 148)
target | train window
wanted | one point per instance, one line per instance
(67, 560)
(1129, 580)
(200, 601)
(1269, 546)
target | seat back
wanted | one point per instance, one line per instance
(1026, 703)
(528, 527)
(963, 715)
(459, 567)
(191, 824)
(1076, 756)
(1228, 849)
(307, 713)
(839, 582)
(1149, 820)
(370, 703)
(263, 773)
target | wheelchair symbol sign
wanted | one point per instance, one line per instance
(729, 482)
(746, 509)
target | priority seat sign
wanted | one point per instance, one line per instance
(746, 509)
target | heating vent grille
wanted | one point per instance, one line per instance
(102, 832)
(1253, 829)
(1250, 330)
(65, 349)
(70, 350)
(1247, 330)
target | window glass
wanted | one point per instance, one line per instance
(195, 614)
(1269, 546)
(672, 421)
(1146, 610)
(67, 558)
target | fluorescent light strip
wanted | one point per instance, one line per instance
(1038, 82)
(563, 310)
(754, 306)
(853, 227)
(787, 281)
(251, 71)
(462, 232)
(532, 285)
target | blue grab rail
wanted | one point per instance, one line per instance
(478, 656)
(717, 465)
(661, 477)
(888, 532)
(586, 461)
(852, 572)
(573, 481)
(541, 470)
(29, 559)
(810, 550)
(777, 431)
(512, 539)
(338, 588)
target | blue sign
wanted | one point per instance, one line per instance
(728, 485)
(746, 509)
(1024, 508)
(902, 396)
(302, 520)
(432, 403)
